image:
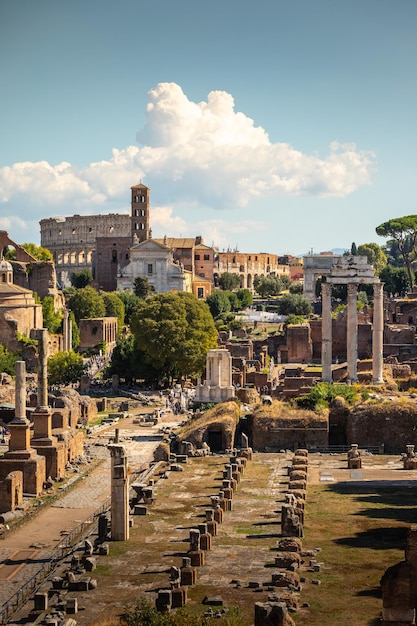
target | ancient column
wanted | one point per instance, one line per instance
(326, 332)
(65, 331)
(378, 334)
(352, 332)
(42, 419)
(21, 456)
(119, 494)
(20, 426)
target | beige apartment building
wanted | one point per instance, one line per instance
(249, 266)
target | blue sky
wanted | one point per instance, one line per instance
(275, 126)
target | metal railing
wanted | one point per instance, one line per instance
(18, 599)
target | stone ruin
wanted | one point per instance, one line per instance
(218, 384)
(119, 493)
(292, 511)
(354, 457)
(32, 463)
(409, 459)
(399, 587)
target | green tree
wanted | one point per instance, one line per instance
(234, 300)
(142, 288)
(362, 299)
(131, 301)
(375, 255)
(218, 303)
(285, 281)
(86, 303)
(128, 362)
(52, 320)
(353, 249)
(403, 230)
(294, 303)
(114, 308)
(245, 297)
(267, 285)
(75, 333)
(65, 368)
(229, 281)
(38, 252)
(81, 279)
(296, 288)
(174, 331)
(8, 360)
(395, 280)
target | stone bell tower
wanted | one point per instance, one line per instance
(140, 213)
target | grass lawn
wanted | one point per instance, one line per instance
(360, 529)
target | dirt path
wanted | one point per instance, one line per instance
(24, 550)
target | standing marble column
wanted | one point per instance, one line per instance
(326, 332)
(378, 334)
(352, 332)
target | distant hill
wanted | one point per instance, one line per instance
(333, 251)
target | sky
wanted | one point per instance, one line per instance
(280, 126)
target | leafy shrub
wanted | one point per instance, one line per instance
(323, 393)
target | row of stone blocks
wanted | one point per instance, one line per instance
(201, 537)
(288, 557)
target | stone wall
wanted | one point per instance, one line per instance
(277, 427)
(391, 424)
(339, 339)
(299, 343)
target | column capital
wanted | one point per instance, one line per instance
(326, 288)
(378, 290)
(352, 289)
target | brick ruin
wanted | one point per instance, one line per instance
(35, 457)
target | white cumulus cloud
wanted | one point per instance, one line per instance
(202, 154)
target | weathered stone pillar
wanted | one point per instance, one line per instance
(326, 332)
(119, 494)
(352, 332)
(20, 425)
(378, 334)
(42, 337)
(42, 418)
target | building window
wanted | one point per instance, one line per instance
(196, 257)
(202, 275)
(142, 212)
(207, 257)
(200, 292)
(150, 268)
